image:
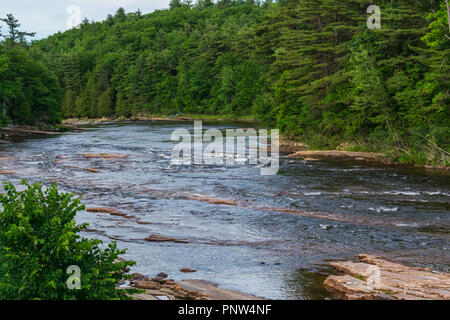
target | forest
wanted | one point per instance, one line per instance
(311, 68)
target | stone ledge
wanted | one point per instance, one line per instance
(393, 281)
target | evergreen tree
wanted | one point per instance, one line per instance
(175, 4)
(15, 35)
(105, 104)
(120, 15)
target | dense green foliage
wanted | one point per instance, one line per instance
(335, 80)
(39, 240)
(29, 92)
(309, 67)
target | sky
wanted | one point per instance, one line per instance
(46, 17)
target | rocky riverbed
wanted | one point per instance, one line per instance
(267, 236)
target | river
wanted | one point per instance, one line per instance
(275, 238)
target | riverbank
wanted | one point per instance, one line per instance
(300, 150)
(368, 277)
(23, 131)
(163, 288)
(343, 155)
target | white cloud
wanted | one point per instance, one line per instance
(46, 17)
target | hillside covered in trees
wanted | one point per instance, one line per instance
(309, 67)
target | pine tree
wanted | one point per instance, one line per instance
(15, 35)
(308, 51)
(105, 106)
(175, 4)
(120, 15)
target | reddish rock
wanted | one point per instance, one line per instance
(214, 200)
(7, 172)
(111, 211)
(155, 238)
(373, 277)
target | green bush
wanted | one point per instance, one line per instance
(39, 240)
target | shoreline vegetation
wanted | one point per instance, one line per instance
(38, 232)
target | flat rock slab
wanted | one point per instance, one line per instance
(157, 238)
(213, 200)
(110, 211)
(6, 172)
(104, 156)
(143, 297)
(188, 270)
(212, 292)
(338, 154)
(158, 288)
(374, 278)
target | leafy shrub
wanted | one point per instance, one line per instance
(39, 240)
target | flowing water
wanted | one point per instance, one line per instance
(265, 235)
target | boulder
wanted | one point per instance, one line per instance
(150, 285)
(139, 277)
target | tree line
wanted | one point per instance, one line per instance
(309, 67)
(29, 91)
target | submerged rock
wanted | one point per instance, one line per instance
(73, 167)
(111, 211)
(213, 200)
(104, 155)
(7, 172)
(155, 238)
